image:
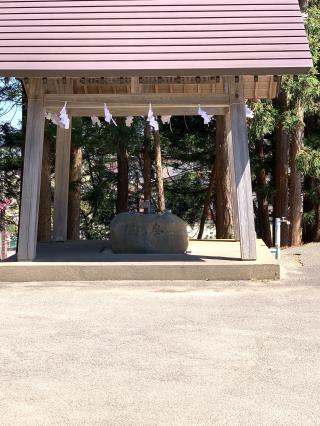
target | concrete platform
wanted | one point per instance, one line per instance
(94, 261)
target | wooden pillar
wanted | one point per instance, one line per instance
(239, 136)
(44, 223)
(33, 151)
(232, 177)
(61, 187)
(159, 172)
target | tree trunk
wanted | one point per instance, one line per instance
(295, 182)
(44, 220)
(303, 5)
(317, 224)
(74, 198)
(123, 174)
(147, 164)
(263, 205)
(207, 201)
(281, 172)
(137, 191)
(309, 208)
(159, 172)
(224, 218)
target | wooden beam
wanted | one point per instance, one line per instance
(141, 111)
(61, 187)
(239, 137)
(182, 84)
(28, 226)
(135, 85)
(139, 99)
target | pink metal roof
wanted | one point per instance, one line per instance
(148, 37)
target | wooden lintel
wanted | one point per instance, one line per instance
(137, 111)
(95, 100)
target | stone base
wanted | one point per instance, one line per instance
(94, 261)
(148, 233)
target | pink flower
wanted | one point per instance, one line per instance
(4, 204)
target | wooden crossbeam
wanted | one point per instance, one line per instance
(173, 99)
(137, 111)
(138, 104)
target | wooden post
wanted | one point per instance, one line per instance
(61, 187)
(31, 172)
(224, 182)
(232, 177)
(44, 223)
(159, 172)
(147, 165)
(239, 136)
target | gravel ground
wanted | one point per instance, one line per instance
(243, 353)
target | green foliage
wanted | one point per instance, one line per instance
(308, 218)
(313, 29)
(308, 161)
(10, 169)
(264, 120)
(185, 195)
(99, 172)
(289, 119)
(188, 148)
(303, 90)
(187, 139)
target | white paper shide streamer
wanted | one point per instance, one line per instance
(95, 120)
(206, 117)
(151, 119)
(166, 119)
(249, 112)
(108, 115)
(64, 118)
(129, 121)
(53, 118)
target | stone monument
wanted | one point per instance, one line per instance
(148, 233)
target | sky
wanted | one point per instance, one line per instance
(13, 116)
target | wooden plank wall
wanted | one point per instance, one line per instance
(56, 37)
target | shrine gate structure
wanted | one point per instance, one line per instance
(174, 54)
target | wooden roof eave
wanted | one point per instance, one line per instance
(268, 70)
